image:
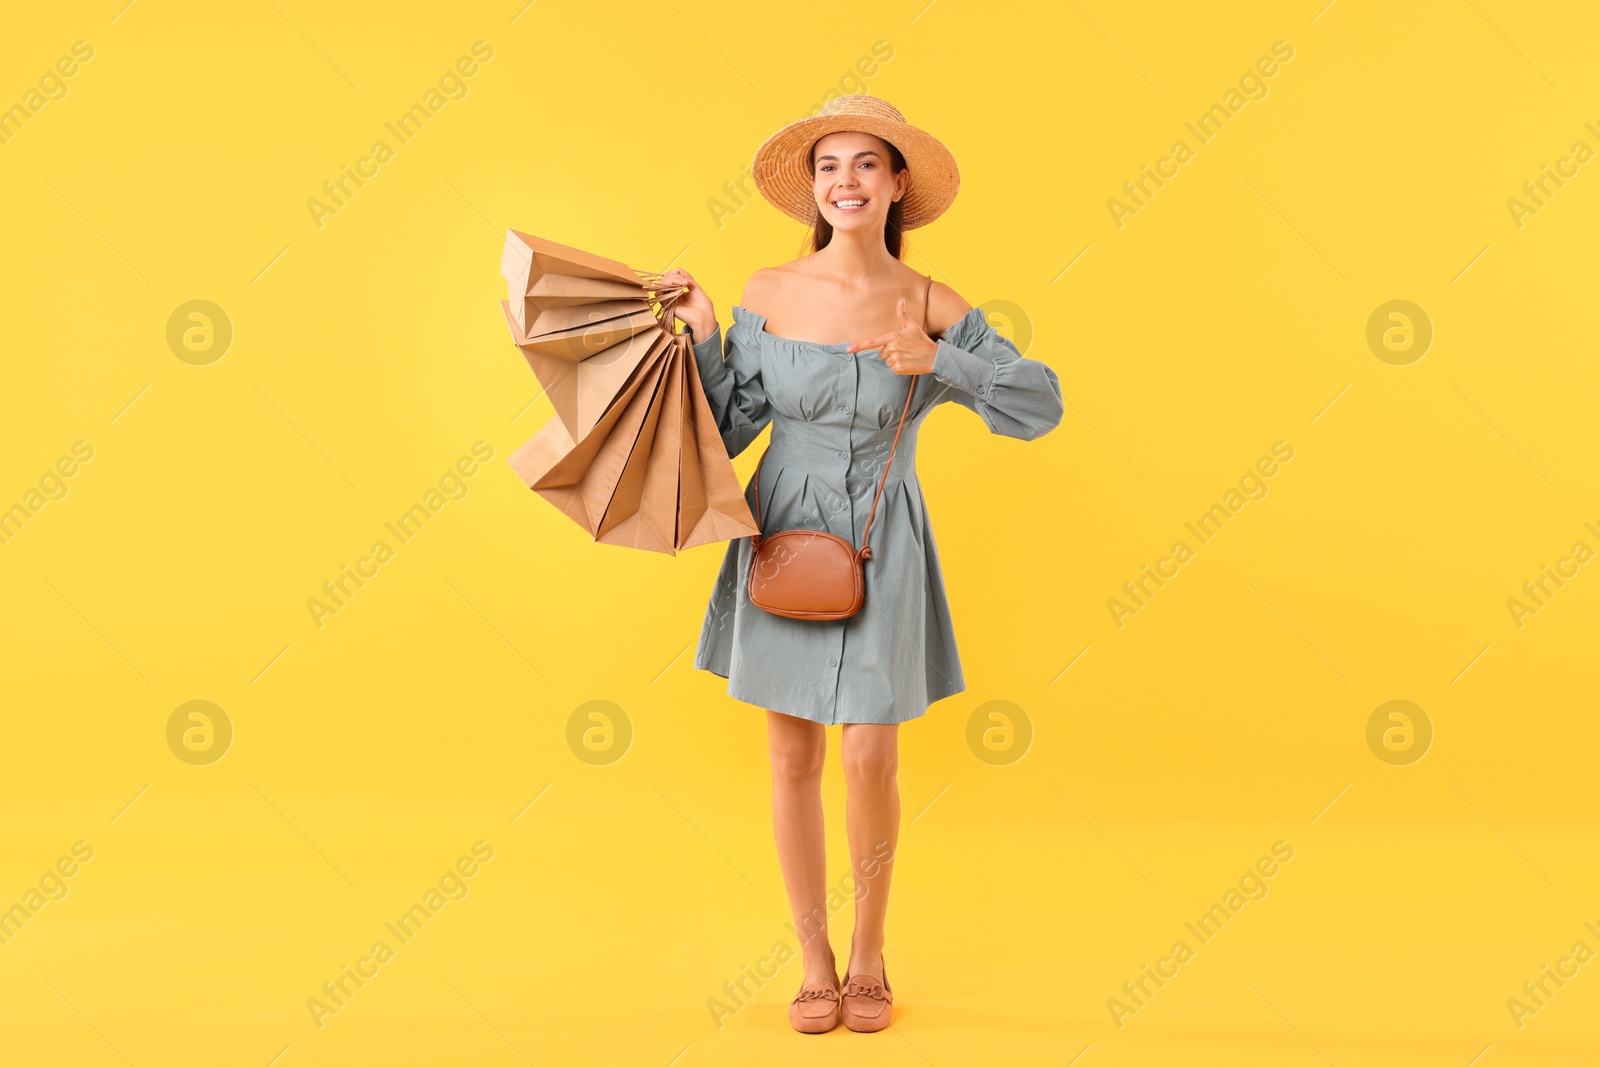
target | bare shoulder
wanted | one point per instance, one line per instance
(946, 307)
(765, 290)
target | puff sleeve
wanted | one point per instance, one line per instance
(985, 372)
(732, 383)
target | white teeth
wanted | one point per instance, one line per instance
(849, 203)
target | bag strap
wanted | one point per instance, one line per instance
(865, 551)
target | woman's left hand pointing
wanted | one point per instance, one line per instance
(907, 350)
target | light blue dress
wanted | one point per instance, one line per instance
(833, 417)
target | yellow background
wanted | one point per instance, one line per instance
(368, 354)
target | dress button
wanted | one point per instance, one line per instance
(833, 662)
(841, 451)
(847, 411)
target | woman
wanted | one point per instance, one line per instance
(826, 349)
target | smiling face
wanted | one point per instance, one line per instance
(852, 180)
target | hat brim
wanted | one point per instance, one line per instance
(783, 177)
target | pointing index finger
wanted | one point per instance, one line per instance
(876, 342)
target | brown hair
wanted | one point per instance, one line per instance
(893, 237)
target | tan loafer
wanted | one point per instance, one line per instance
(816, 1009)
(866, 1003)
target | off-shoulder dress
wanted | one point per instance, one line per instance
(833, 415)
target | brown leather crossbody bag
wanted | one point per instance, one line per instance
(813, 574)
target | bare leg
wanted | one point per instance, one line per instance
(798, 747)
(872, 818)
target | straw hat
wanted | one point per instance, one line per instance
(784, 178)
